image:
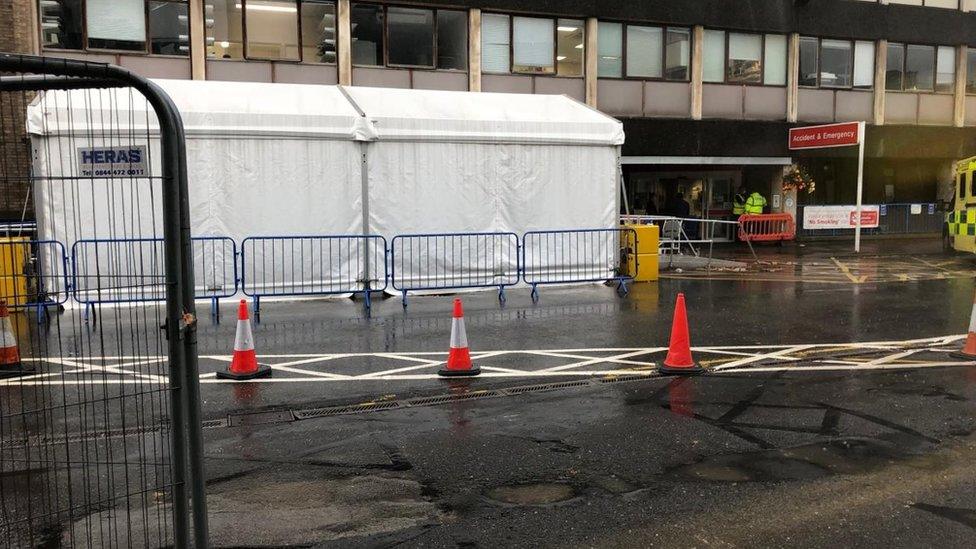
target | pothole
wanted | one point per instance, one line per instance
(543, 493)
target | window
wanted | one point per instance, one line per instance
(645, 49)
(952, 4)
(411, 37)
(610, 50)
(830, 63)
(774, 60)
(745, 58)
(272, 29)
(495, 43)
(140, 26)
(569, 47)
(397, 36)
(367, 34)
(945, 69)
(116, 24)
(533, 45)
(452, 40)
(61, 24)
(169, 28)
(651, 51)
(895, 71)
(713, 56)
(225, 29)
(318, 32)
(677, 54)
(971, 71)
(920, 68)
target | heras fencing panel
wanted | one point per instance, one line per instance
(312, 265)
(26, 282)
(453, 261)
(575, 255)
(100, 441)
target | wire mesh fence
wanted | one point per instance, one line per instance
(93, 423)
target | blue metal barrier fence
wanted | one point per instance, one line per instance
(570, 256)
(443, 261)
(312, 265)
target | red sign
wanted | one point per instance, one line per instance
(818, 137)
(869, 218)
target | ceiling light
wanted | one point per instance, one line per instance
(560, 58)
(225, 44)
(268, 7)
(579, 46)
(567, 29)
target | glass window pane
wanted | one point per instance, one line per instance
(367, 34)
(745, 58)
(713, 56)
(225, 37)
(272, 29)
(774, 60)
(835, 63)
(318, 32)
(906, 2)
(920, 68)
(971, 71)
(945, 69)
(895, 71)
(533, 49)
(495, 41)
(169, 28)
(864, 64)
(569, 47)
(610, 49)
(951, 4)
(411, 37)
(677, 54)
(809, 61)
(452, 40)
(61, 24)
(645, 47)
(116, 24)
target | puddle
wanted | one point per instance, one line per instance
(532, 494)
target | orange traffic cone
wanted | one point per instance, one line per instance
(679, 360)
(968, 351)
(10, 364)
(459, 359)
(245, 362)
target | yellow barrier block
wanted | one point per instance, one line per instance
(643, 267)
(648, 238)
(13, 283)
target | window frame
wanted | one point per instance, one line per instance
(386, 38)
(145, 51)
(925, 4)
(664, 51)
(762, 60)
(853, 58)
(969, 53)
(555, 44)
(935, 68)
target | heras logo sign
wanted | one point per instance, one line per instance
(112, 161)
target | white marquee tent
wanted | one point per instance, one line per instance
(284, 159)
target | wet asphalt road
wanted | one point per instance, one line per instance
(805, 459)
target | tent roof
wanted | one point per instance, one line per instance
(364, 114)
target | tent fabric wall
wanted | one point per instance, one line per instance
(286, 160)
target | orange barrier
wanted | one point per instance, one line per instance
(767, 228)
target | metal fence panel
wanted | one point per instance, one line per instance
(100, 441)
(33, 273)
(443, 261)
(312, 265)
(571, 256)
(895, 219)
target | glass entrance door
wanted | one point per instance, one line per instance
(718, 205)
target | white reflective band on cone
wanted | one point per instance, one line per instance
(243, 340)
(972, 320)
(459, 339)
(7, 338)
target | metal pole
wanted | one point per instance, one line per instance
(860, 187)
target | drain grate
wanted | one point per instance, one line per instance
(214, 423)
(345, 410)
(444, 399)
(546, 387)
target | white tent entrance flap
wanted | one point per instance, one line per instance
(285, 160)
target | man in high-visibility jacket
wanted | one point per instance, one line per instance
(755, 203)
(739, 202)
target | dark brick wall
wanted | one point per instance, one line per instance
(15, 36)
